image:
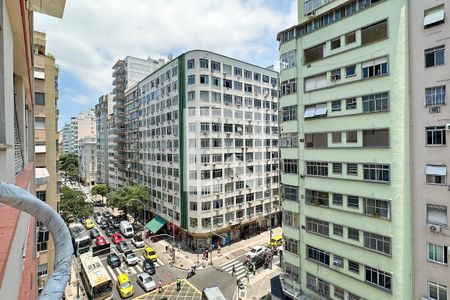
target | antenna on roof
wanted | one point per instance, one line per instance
(170, 56)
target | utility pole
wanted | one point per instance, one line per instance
(270, 243)
(78, 270)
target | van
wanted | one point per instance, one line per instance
(212, 293)
(276, 241)
(126, 229)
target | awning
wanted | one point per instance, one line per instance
(155, 224)
(321, 109)
(434, 17)
(41, 176)
(40, 149)
(436, 170)
(309, 112)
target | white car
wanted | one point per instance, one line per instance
(129, 258)
(256, 251)
(137, 241)
(146, 282)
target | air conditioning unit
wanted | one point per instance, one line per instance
(338, 263)
(434, 227)
(434, 110)
(335, 77)
(447, 126)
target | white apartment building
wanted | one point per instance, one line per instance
(79, 127)
(103, 112)
(87, 160)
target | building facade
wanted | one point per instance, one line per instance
(46, 150)
(103, 112)
(87, 160)
(431, 157)
(202, 134)
(345, 150)
(77, 128)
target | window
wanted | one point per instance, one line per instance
(378, 243)
(335, 74)
(204, 63)
(350, 103)
(377, 208)
(353, 297)
(436, 135)
(317, 226)
(373, 68)
(350, 71)
(290, 219)
(352, 136)
(191, 64)
(191, 79)
(39, 123)
(215, 66)
(374, 33)
(317, 168)
(336, 105)
(289, 140)
(237, 71)
(336, 43)
(338, 230)
(289, 192)
(215, 81)
(42, 270)
(204, 79)
(336, 137)
(290, 166)
(227, 69)
(353, 266)
(313, 54)
(289, 113)
(338, 199)
(42, 195)
(39, 98)
(291, 245)
(318, 255)
(375, 102)
(437, 253)
(435, 96)
(376, 172)
(376, 138)
(247, 74)
(43, 236)
(320, 286)
(288, 60)
(228, 83)
(350, 38)
(339, 292)
(353, 202)
(434, 56)
(338, 261)
(193, 222)
(248, 88)
(437, 214)
(433, 16)
(316, 82)
(316, 197)
(292, 270)
(337, 168)
(437, 291)
(288, 87)
(379, 278)
(436, 174)
(353, 234)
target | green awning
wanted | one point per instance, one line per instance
(155, 224)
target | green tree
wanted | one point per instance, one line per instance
(73, 205)
(130, 199)
(99, 189)
(68, 163)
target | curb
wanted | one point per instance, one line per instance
(187, 269)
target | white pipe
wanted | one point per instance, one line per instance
(24, 201)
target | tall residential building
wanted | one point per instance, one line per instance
(345, 138)
(202, 134)
(46, 149)
(87, 160)
(429, 71)
(127, 72)
(103, 112)
(18, 271)
(77, 128)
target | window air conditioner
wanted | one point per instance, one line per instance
(434, 227)
(338, 263)
(335, 77)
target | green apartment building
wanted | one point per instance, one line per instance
(345, 152)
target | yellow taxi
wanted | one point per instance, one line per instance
(89, 224)
(149, 253)
(276, 241)
(126, 289)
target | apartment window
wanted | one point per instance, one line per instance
(313, 54)
(336, 43)
(377, 208)
(316, 197)
(42, 270)
(248, 88)
(316, 82)
(316, 140)
(288, 60)
(337, 167)
(436, 135)
(204, 63)
(352, 136)
(204, 79)
(292, 270)
(289, 113)
(289, 140)
(338, 230)
(247, 74)
(376, 138)
(339, 292)
(290, 166)
(353, 202)
(42, 195)
(215, 66)
(43, 236)
(437, 214)
(376, 172)
(374, 68)
(375, 102)
(336, 105)
(436, 174)
(191, 79)
(228, 83)
(374, 33)
(39, 98)
(434, 56)
(193, 222)
(379, 278)
(350, 38)
(350, 103)
(318, 255)
(338, 261)
(289, 192)
(350, 71)
(338, 199)
(336, 137)
(320, 286)
(191, 64)
(317, 168)
(353, 297)
(290, 219)
(291, 245)
(215, 81)
(39, 123)
(353, 234)
(317, 226)
(437, 291)
(435, 96)
(433, 16)
(335, 74)
(288, 87)
(237, 71)
(378, 243)
(353, 266)
(437, 253)
(227, 69)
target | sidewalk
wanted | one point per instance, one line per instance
(71, 288)
(258, 287)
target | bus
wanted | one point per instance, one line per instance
(212, 293)
(97, 282)
(80, 238)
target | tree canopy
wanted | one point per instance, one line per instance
(68, 162)
(73, 205)
(99, 189)
(129, 199)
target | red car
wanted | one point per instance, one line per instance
(100, 241)
(116, 238)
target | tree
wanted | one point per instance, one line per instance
(68, 162)
(73, 205)
(130, 199)
(99, 189)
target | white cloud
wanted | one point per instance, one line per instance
(94, 34)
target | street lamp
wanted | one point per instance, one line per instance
(282, 277)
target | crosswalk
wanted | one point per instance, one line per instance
(130, 270)
(240, 268)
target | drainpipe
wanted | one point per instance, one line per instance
(24, 201)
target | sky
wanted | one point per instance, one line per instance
(93, 35)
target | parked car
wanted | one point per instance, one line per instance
(88, 224)
(106, 214)
(124, 286)
(129, 258)
(113, 260)
(100, 241)
(115, 223)
(256, 251)
(109, 231)
(116, 238)
(126, 229)
(94, 233)
(258, 261)
(276, 241)
(98, 219)
(146, 282)
(148, 266)
(97, 214)
(103, 223)
(122, 246)
(150, 253)
(137, 241)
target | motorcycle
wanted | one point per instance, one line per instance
(191, 272)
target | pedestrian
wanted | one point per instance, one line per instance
(233, 271)
(206, 254)
(218, 248)
(254, 268)
(167, 248)
(160, 286)
(178, 284)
